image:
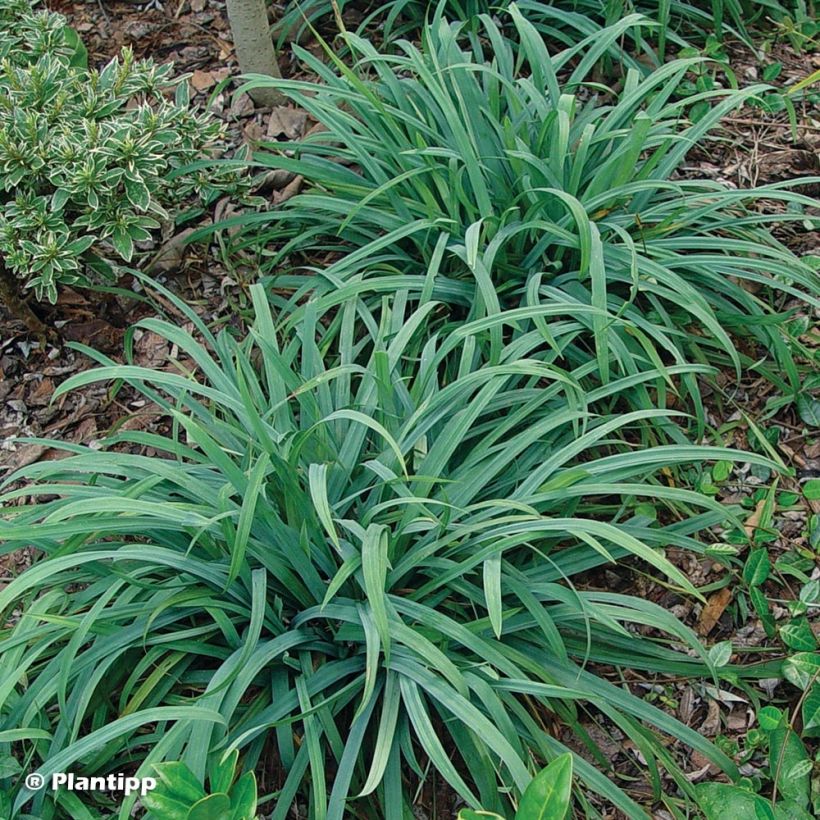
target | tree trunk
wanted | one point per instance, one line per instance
(254, 46)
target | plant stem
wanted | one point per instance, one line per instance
(254, 46)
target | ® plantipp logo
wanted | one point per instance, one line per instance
(114, 783)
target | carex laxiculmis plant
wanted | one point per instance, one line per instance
(356, 557)
(563, 178)
(560, 23)
(668, 25)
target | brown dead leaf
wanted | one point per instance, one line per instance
(704, 767)
(686, 707)
(169, 257)
(241, 105)
(41, 395)
(253, 132)
(738, 721)
(711, 726)
(144, 418)
(95, 332)
(69, 297)
(291, 189)
(151, 350)
(274, 180)
(715, 606)
(85, 431)
(225, 209)
(287, 122)
(202, 80)
(220, 74)
(753, 521)
(225, 49)
(22, 456)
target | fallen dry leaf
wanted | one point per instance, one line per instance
(715, 606)
(753, 521)
(151, 349)
(86, 431)
(711, 725)
(686, 708)
(22, 456)
(96, 332)
(253, 132)
(291, 189)
(202, 80)
(169, 257)
(288, 122)
(41, 395)
(143, 419)
(700, 773)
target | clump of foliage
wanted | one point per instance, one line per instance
(179, 795)
(559, 24)
(545, 190)
(365, 533)
(88, 159)
(669, 22)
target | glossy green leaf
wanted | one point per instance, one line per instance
(770, 718)
(221, 773)
(176, 780)
(79, 56)
(720, 653)
(757, 567)
(788, 761)
(548, 796)
(808, 408)
(212, 807)
(802, 668)
(722, 801)
(798, 635)
(810, 712)
(164, 806)
(243, 797)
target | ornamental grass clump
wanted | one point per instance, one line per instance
(561, 185)
(668, 24)
(563, 23)
(90, 161)
(358, 559)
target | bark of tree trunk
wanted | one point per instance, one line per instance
(254, 46)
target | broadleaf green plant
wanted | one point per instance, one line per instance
(357, 556)
(90, 161)
(548, 797)
(551, 185)
(179, 795)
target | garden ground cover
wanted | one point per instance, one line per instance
(709, 715)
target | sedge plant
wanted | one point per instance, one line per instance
(556, 185)
(363, 555)
(675, 23)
